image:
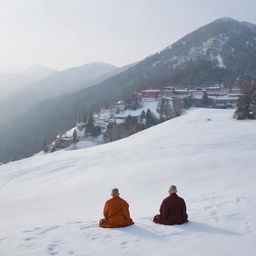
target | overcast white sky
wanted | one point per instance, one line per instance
(66, 33)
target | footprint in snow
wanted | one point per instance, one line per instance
(214, 216)
(47, 230)
(83, 227)
(88, 226)
(32, 230)
(51, 249)
(28, 238)
(74, 222)
(248, 227)
(234, 217)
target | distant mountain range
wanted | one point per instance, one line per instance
(217, 53)
(40, 83)
(38, 72)
(11, 83)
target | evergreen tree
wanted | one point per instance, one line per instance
(143, 118)
(128, 120)
(187, 102)
(247, 85)
(91, 128)
(143, 114)
(245, 103)
(243, 107)
(90, 124)
(75, 137)
(45, 147)
(96, 131)
(253, 105)
(205, 99)
(150, 119)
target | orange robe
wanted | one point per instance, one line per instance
(116, 213)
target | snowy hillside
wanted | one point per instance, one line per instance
(213, 52)
(50, 204)
(217, 53)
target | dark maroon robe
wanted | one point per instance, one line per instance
(172, 211)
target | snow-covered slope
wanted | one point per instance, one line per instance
(50, 204)
(217, 53)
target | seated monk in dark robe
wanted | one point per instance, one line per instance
(172, 210)
(116, 212)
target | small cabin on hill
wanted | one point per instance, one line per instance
(119, 106)
(181, 93)
(217, 91)
(168, 91)
(235, 92)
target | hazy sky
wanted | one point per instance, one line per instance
(66, 33)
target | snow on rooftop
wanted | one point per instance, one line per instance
(181, 90)
(120, 102)
(213, 88)
(151, 90)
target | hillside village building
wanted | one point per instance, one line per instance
(150, 95)
(120, 106)
(217, 91)
(164, 104)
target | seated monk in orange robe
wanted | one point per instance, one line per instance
(116, 212)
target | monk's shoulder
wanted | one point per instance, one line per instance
(109, 201)
(123, 201)
(168, 198)
(181, 199)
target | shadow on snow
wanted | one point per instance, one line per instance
(142, 232)
(193, 226)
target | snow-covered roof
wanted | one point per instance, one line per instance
(181, 90)
(120, 102)
(213, 88)
(224, 97)
(152, 90)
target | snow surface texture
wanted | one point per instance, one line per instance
(50, 204)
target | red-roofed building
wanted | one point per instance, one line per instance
(151, 94)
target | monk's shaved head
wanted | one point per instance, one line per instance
(173, 189)
(115, 192)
